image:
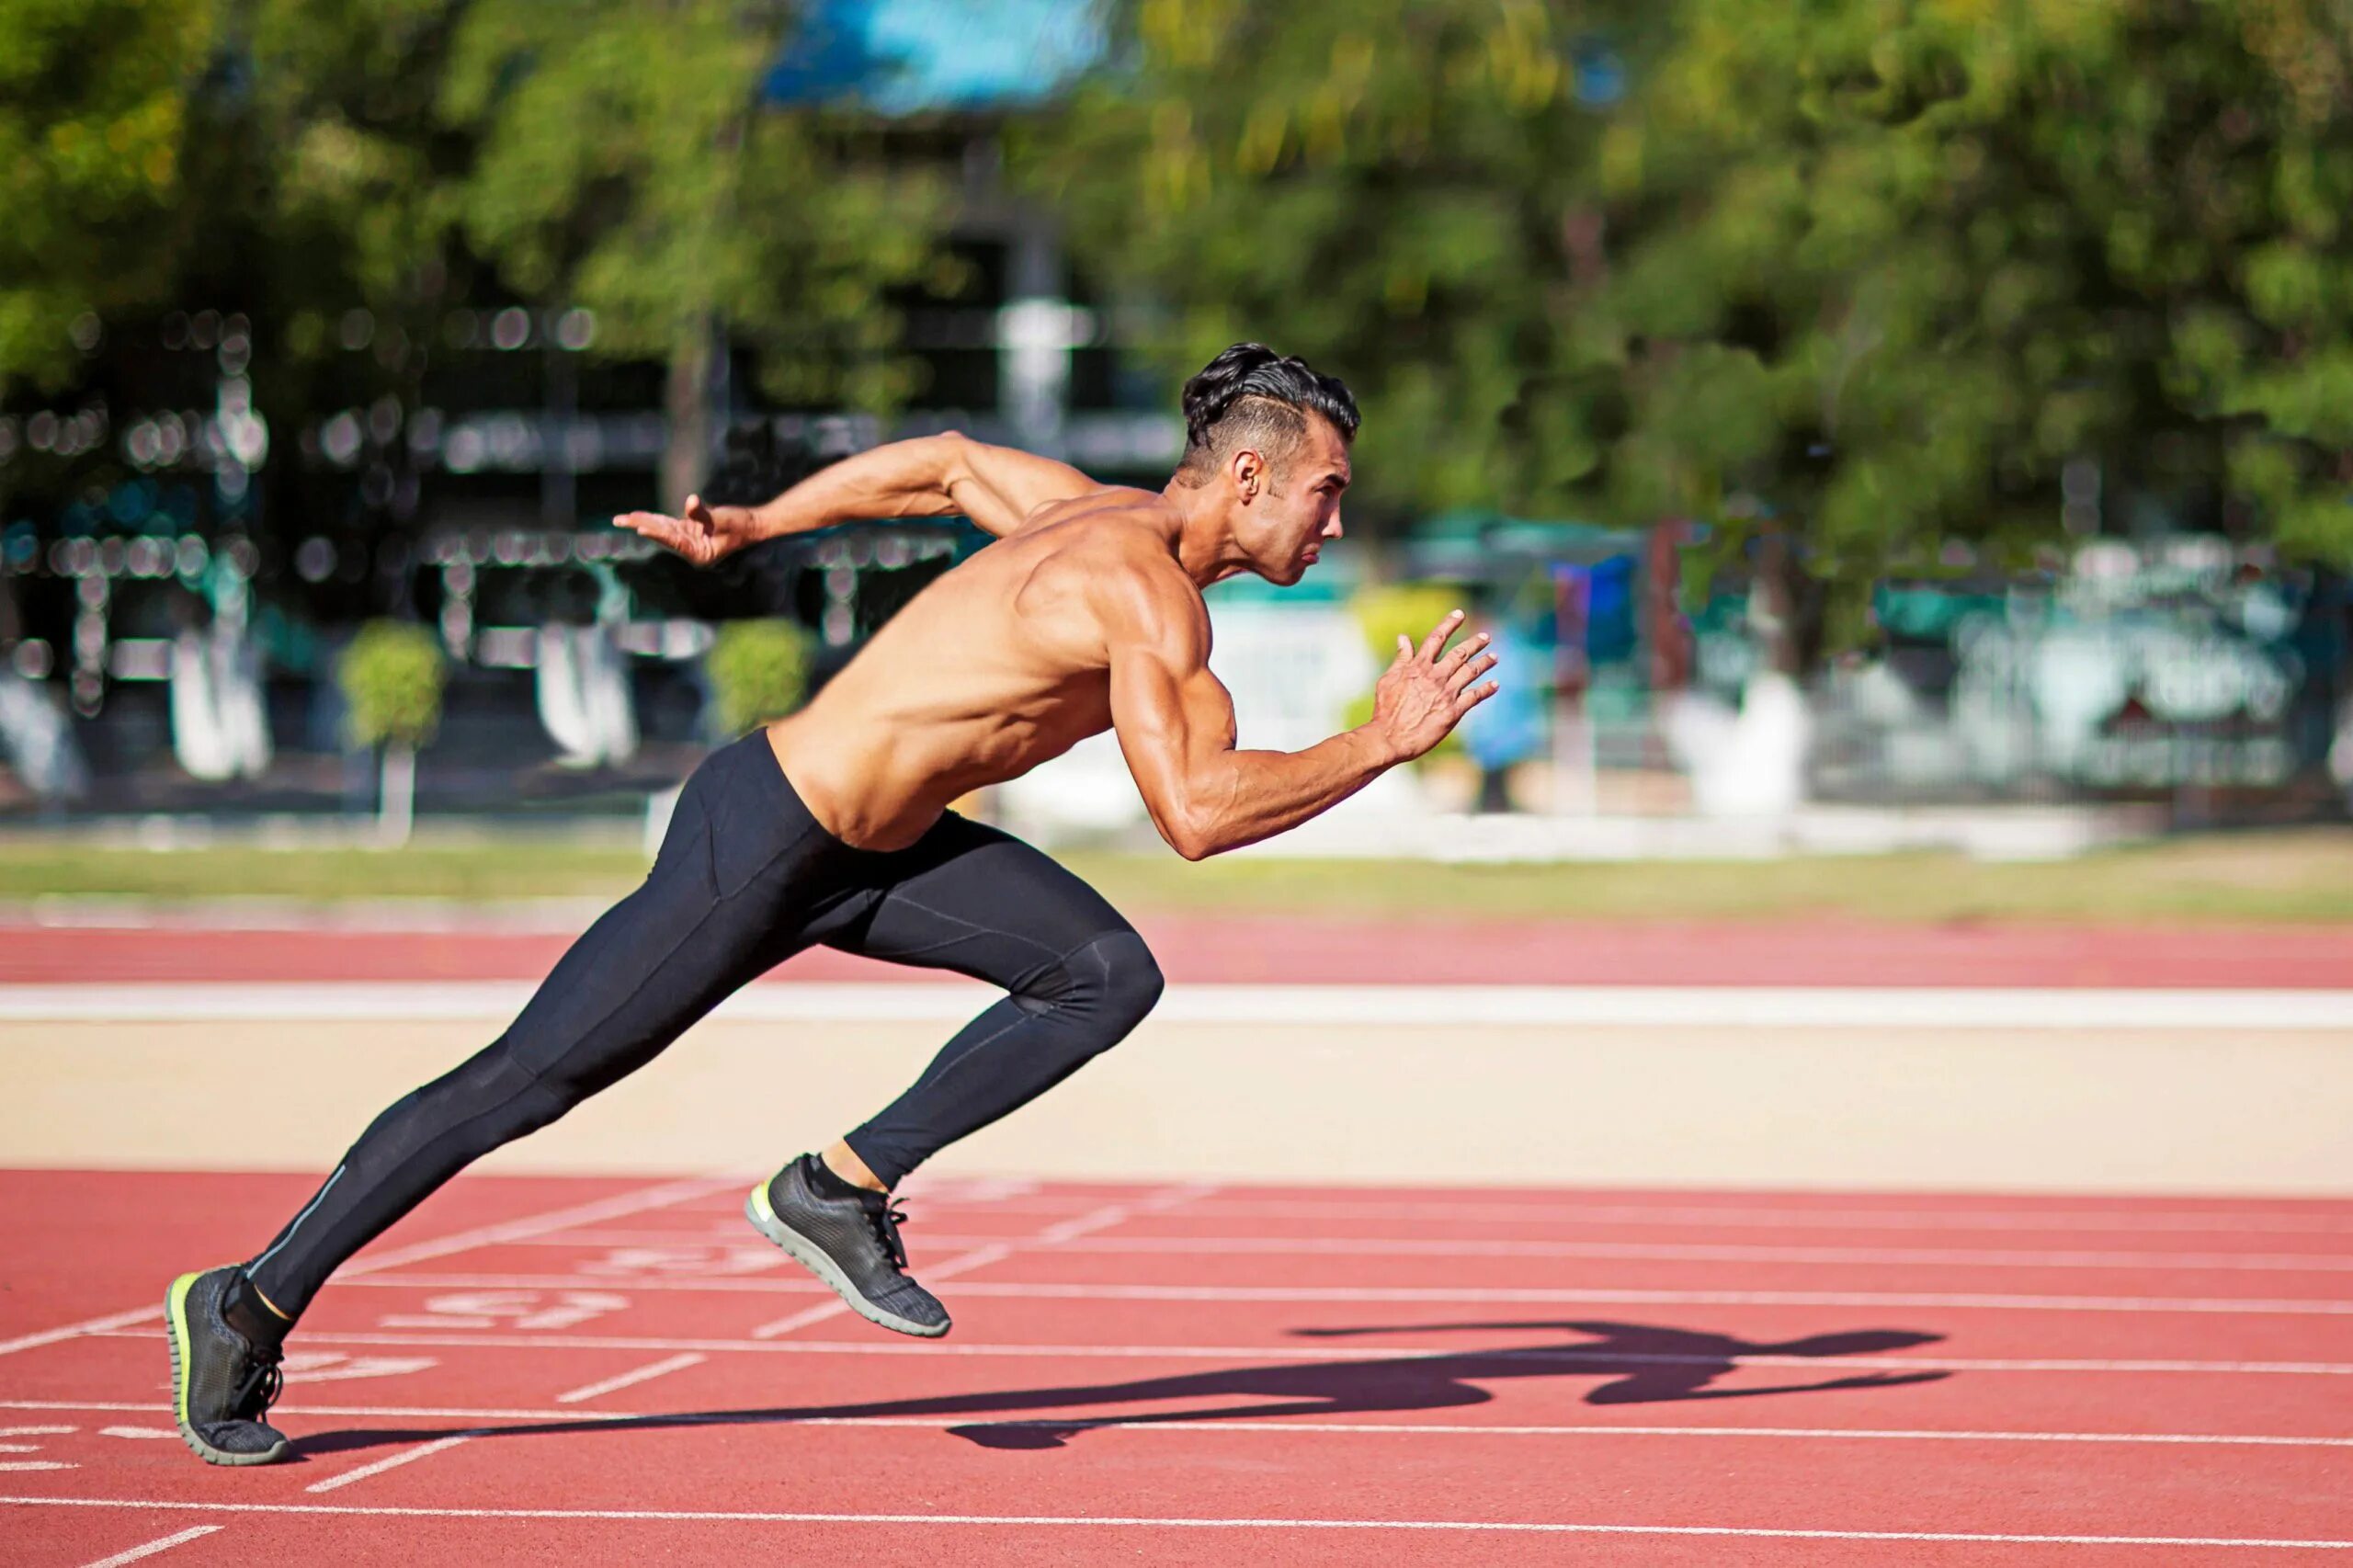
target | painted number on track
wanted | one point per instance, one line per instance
(539, 1312)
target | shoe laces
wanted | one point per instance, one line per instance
(263, 1382)
(887, 1218)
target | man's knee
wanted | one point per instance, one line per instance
(1113, 978)
(1126, 977)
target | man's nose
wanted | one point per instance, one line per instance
(1332, 529)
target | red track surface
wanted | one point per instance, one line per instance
(1671, 1377)
(1804, 952)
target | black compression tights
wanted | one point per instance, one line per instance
(745, 879)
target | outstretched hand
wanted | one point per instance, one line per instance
(703, 535)
(1429, 687)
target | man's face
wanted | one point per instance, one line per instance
(1294, 506)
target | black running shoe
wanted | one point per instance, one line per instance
(851, 1244)
(222, 1385)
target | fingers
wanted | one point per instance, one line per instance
(697, 511)
(1444, 628)
(1463, 650)
(1464, 675)
(1470, 696)
(1404, 648)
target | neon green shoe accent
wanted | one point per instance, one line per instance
(177, 1304)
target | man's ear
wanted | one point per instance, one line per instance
(1249, 474)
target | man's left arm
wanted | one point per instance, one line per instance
(931, 476)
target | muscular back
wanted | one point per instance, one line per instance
(1086, 615)
(1000, 664)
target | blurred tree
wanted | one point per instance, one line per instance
(392, 677)
(1866, 285)
(93, 101)
(1390, 188)
(1903, 285)
(759, 671)
(629, 166)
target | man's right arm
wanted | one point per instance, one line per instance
(1176, 726)
(929, 476)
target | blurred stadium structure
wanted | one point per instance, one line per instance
(183, 545)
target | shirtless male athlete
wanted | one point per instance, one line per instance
(831, 826)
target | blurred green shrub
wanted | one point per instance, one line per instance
(392, 676)
(759, 671)
(1384, 612)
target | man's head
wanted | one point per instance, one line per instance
(1273, 434)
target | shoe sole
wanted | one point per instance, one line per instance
(812, 1257)
(178, 1339)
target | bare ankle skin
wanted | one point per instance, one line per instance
(842, 1161)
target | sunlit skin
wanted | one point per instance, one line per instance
(1085, 615)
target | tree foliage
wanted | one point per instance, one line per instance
(93, 106)
(1895, 280)
(627, 163)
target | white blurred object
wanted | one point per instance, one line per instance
(1746, 764)
(219, 728)
(1292, 671)
(39, 742)
(584, 696)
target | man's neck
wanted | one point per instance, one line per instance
(1203, 539)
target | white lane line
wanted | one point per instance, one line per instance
(1627, 1007)
(1072, 1239)
(1149, 1423)
(1043, 1290)
(1335, 1351)
(683, 1516)
(2216, 1221)
(35, 1432)
(654, 1197)
(627, 1380)
(733, 1243)
(75, 1330)
(196, 1533)
(35, 1464)
(166, 1433)
(995, 1250)
(407, 1456)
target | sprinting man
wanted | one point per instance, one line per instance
(831, 826)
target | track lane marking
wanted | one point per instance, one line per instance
(630, 1379)
(1056, 1291)
(1153, 1424)
(1286, 1353)
(1623, 1007)
(658, 1196)
(2194, 1220)
(406, 1456)
(1662, 1252)
(195, 1532)
(683, 1516)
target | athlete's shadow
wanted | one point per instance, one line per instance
(1643, 1364)
(1639, 1364)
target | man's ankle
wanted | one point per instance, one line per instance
(253, 1315)
(841, 1162)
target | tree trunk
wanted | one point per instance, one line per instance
(396, 805)
(686, 456)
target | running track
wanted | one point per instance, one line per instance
(591, 1371)
(598, 1370)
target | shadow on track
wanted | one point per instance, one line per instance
(1643, 1364)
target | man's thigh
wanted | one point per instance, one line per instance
(982, 902)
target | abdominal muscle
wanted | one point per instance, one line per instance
(991, 670)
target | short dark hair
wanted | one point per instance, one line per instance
(1250, 395)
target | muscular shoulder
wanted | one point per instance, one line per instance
(1120, 562)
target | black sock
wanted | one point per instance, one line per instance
(242, 1309)
(826, 1184)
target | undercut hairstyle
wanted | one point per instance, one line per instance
(1250, 398)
